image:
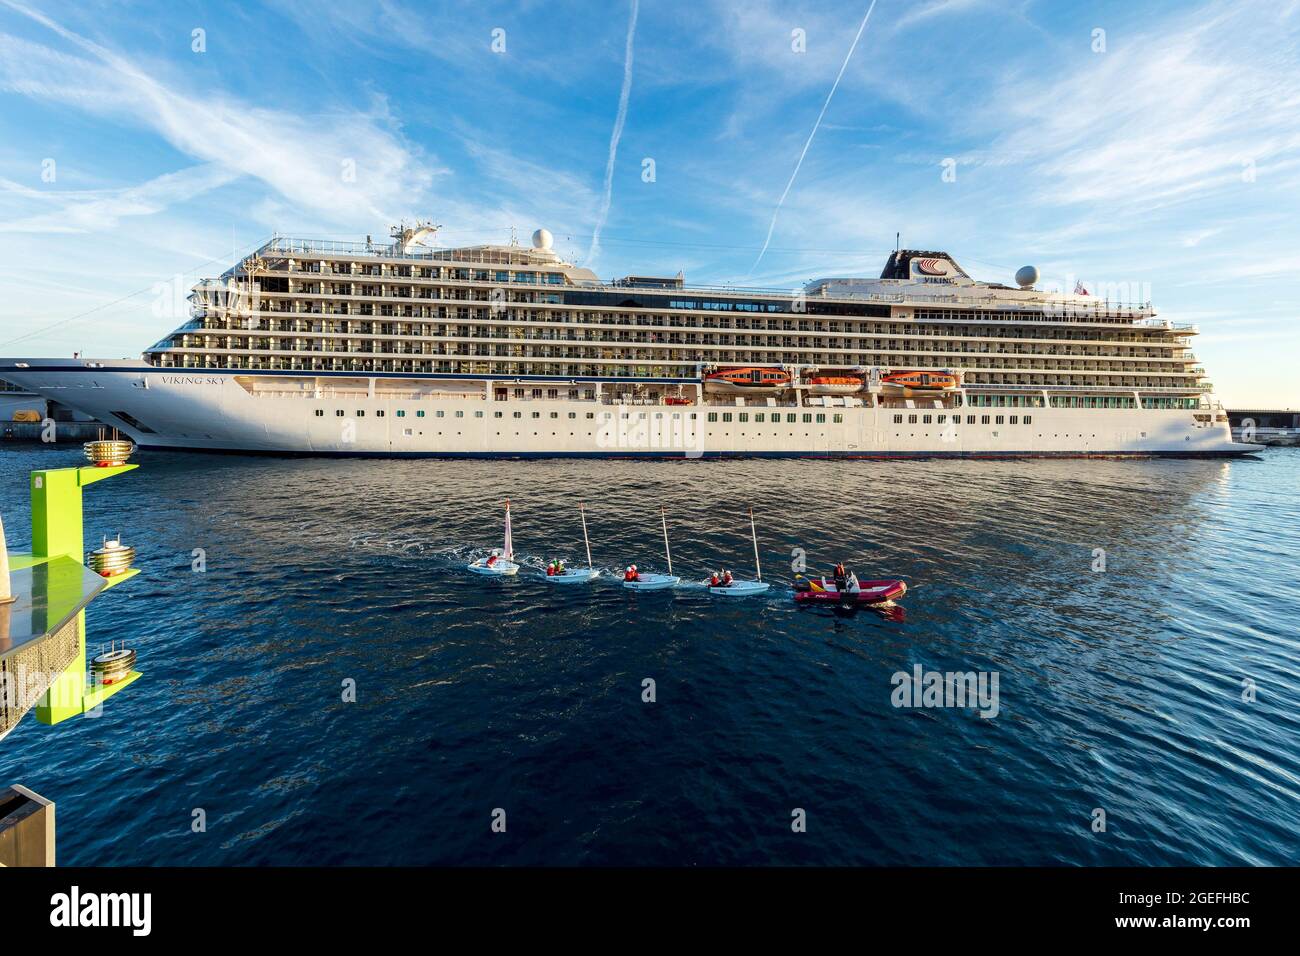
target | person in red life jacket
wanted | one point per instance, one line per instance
(550, 570)
(841, 578)
(631, 573)
(726, 578)
(714, 580)
(492, 558)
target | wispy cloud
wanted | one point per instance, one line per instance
(524, 192)
(1199, 105)
(102, 209)
(350, 166)
(921, 12)
(615, 135)
(1193, 239)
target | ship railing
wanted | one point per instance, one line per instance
(1017, 311)
(998, 387)
(286, 246)
(1168, 325)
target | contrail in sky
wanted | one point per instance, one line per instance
(614, 137)
(772, 225)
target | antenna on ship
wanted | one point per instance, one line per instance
(405, 237)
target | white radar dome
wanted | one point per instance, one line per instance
(1026, 276)
(542, 239)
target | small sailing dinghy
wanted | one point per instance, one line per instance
(501, 562)
(734, 587)
(635, 580)
(576, 575)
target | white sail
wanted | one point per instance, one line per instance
(509, 548)
(663, 517)
(585, 540)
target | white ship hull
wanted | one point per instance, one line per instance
(281, 412)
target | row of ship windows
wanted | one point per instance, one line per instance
(758, 417)
(590, 328)
(407, 272)
(513, 325)
(1032, 401)
(399, 289)
(970, 420)
(453, 272)
(408, 432)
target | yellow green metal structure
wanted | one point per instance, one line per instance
(58, 533)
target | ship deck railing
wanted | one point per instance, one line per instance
(729, 401)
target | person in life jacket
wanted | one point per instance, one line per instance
(841, 577)
(550, 569)
(714, 580)
(726, 578)
(492, 558)
(630, 574)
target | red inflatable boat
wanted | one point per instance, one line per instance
(867, 593)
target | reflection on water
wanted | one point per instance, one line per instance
(1120, 689)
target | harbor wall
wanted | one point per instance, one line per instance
(63, 432)
(1266, 426)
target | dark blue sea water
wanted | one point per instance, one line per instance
(1119, 690)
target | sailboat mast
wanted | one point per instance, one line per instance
(663, 517)
(753, 533)
(585, 540)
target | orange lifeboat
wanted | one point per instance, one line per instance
(834, 385)
(747, 381)
(921, 382)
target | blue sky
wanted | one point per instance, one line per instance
(1159, 158)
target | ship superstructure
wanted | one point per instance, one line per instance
(322, 346)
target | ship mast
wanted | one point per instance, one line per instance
(407, 236)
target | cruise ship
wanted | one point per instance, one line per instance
(404, 348)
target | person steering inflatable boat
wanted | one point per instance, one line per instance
(845, 588)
